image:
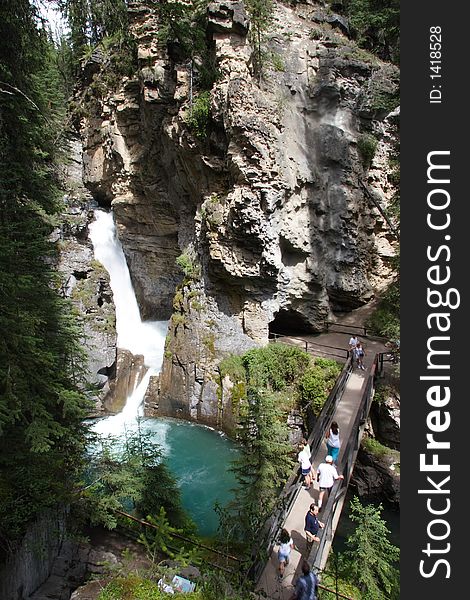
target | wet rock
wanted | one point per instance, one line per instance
(376, 479)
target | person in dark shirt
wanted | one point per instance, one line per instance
(312, 525)
(306, 587)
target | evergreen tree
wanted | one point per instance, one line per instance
(90, 22)
(183, 31)
(261, 16)
(371, 558)
(130, 475)
(376, 24)
(41, 406)
(264, 463)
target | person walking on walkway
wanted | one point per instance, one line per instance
(359, 354)
(333, 443)
(326, 476)
(353, 341)
(286, 544)
(306, 587)
(312, 525)
(303, 458)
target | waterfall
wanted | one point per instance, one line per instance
(145, 338)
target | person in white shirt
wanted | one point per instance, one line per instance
(286, 544)
(353, 341)
(326, 476)
(333, 443)
(359, 353)
(303, 458)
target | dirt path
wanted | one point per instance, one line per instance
(357, 316)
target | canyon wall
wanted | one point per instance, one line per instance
(276, 211)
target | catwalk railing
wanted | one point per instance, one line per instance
(310, 346)
(291, 490)
(330, 515)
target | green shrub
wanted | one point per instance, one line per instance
(315, 33)
(373, 446)
(385, 320)
(286, 369)
(188, 266)
(233, 367)
(382, 392)
(376, 26)
(177, 319)
(344, 587)
(386, 100)
(393, 174)
(136, 587)
(198, 118)
(367, 146)
(277, 62)
(317, 382)
(275, 366)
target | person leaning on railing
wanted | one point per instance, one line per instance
(312, 525)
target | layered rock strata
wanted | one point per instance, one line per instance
(279, 208)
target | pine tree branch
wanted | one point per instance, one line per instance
(15, 89)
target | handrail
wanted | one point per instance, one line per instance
(340, 486)
(307, 343)
(364, 334)
(293, 485)
(359, 327)
(337, 594)
(177, 536)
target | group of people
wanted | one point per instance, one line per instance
(326, 475)
(326, 472)
(307, 585)
(357, 351)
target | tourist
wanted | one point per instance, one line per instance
(305, 445)
(306, 587)
(359, 354)
(286, 544)
(333, 443)
(353, 341)
(326, 476)
(303, 458)
(312, 525)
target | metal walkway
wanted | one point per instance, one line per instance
(349, 405)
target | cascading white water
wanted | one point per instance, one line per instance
(145, 338)
(196, 456)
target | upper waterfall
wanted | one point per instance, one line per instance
(146, 338)
(140, 338)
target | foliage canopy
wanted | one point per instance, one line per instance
(371, 559)
(41, 405)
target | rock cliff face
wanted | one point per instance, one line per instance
(277, 209)
(110, 372)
